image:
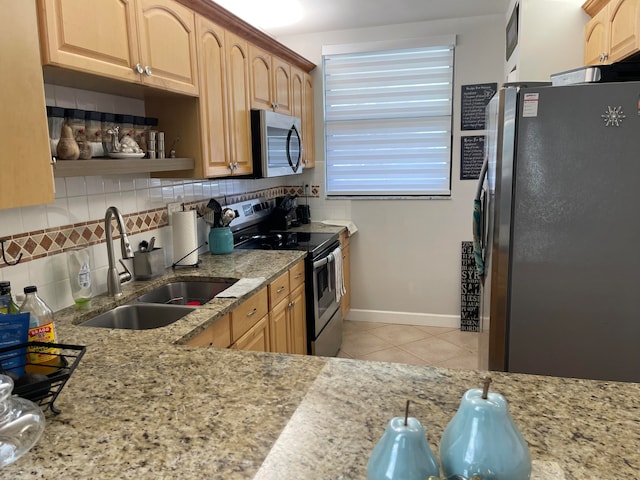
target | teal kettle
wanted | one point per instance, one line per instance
(402, 453)
(482, 439)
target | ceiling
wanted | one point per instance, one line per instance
(327, 15)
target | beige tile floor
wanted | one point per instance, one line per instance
(416, 345)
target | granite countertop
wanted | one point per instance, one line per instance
(143, 406)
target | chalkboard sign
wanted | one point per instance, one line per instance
(470, 291)
(474, 100)
(471, 156)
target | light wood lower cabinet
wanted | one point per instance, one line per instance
(345, 244)
(215, 335)
(272, 320)
(256, 339)
(287, 313)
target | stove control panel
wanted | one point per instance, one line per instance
(251, 212)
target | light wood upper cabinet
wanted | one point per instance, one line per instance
(144, 41)
(281, 85)
(166, 32)
(270, 81)
(26, 159)
(308, 138)
(261, 79)
(213, 98)
(98, 36)
(613, 33)
(302, 107)
(239, 120)
(596, 35)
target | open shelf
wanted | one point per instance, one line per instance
(111, 166)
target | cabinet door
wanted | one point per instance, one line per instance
(213, 98)
(298, 322)
(239, 121)
(596, 38)
(256, 339)
(624, 26)
(216, 335)
(94, 37)
(25, 161)
(168, 45)
(281, 93)
(297, 102)
(279, 327)
(261, 78)
(308, 142)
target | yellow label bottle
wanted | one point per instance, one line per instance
(40, 359)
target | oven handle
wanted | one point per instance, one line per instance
(331, 262)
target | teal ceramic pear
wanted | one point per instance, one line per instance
(482, 439)
(402, 453)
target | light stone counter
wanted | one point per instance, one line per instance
(142, 406)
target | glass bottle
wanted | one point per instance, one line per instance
(7, 305)
(93, 132)
(79, 266)
(75, 119)
(21, 423)
(55, 117)
(41, 329)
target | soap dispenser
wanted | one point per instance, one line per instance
(482, 439)
(403, 452)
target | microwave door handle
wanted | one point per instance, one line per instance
(293, 130)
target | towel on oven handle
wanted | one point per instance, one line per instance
(338, 273)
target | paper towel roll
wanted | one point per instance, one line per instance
(185, 238)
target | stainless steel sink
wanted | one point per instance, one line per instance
(139, 316)
(190, 292)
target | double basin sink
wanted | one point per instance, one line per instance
(160, 307)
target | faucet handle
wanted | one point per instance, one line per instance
(127, 252)
(126, 275)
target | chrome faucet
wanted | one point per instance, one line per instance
(114, 278)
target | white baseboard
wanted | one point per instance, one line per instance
(404, 318)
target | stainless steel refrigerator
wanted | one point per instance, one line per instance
(559, 232)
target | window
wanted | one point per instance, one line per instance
(387, 116)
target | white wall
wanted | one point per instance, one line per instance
(406, 255)
(551, 39)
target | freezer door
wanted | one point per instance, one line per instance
(500, 145)
(575, 266)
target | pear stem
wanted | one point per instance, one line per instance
(406, 413)
(485, 387)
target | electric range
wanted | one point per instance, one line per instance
(324, 319)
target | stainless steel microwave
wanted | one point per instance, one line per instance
(276, 144)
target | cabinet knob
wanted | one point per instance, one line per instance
(139, 68)
(54, 160)
(147, 71)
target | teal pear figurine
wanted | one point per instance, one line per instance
(403, 452)
(481, 439)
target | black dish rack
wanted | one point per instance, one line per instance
(45, 391)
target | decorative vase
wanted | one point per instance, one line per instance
(220, 240)
(402, 453)
(481, 439)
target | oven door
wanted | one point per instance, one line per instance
(324, 293)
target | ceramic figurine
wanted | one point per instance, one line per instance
(481, 439)
(402, 453)
(124, 145)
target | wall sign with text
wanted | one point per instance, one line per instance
(471, 156)
(474, 101)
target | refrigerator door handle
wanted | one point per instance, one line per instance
(478, 216)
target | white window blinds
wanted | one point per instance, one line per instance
(388, 122)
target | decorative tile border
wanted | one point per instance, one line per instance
(52, 241)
